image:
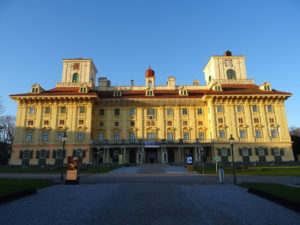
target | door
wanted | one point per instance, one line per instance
(132, 156)
(171, 155)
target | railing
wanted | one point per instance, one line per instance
(146, 142)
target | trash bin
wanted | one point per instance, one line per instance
(221, 176)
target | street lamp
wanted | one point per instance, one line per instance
(231, 139)
(64, 139)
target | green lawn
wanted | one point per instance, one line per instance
(283, 191)
(8, 186)
(255, 170)
(55, 170)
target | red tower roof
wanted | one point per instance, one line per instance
(149, 72)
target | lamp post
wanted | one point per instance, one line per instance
(231, 139)
(64, 139)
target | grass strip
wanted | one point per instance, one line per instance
(286, 192)
(9, 186)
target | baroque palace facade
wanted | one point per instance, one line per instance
(141, 124)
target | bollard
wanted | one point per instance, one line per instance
(221, 176)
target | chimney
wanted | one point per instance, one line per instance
(132, 83)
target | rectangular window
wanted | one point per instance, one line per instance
(256, 120)
(270, 108)
(116, 124)
(276, 151)
(245, 152)
(47, 110)
(169, 111)
(132, 136)
(81, 122)
(101, 112)
(201, 135)
(184, 111)
(148, 123)
(271, 120)
(150, 111)
(258, 133)
(46, 122)
(43, 154)
(242, 134)
(61, 122)
(101, 124)
(255, 108)
(63, 109)
(116, 136)
(261, 152)
(45, 136)
(152, 123)
(149, 93)
(219, 108)
(132, 111)
(28, 136)
(100, 136)
(240, 120)
(200, 123)
(186, 136)
(31, 110)
(185, 123)
(220, 120)
(240, 108)
(30, 123)
(199, 111)
(80, 136)
(60, 135)
(170, 136)
(150, 135)
(224, 152)
(274, 133)
(132, 123)
(169, 123)
(221, 134)
(26, 154)
(81, 109)
(117, 112)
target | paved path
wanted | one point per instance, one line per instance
(146, 195)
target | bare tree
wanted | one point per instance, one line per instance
(1, 107)
(295, 131)
(7, 126)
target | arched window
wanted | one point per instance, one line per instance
(231, 74)
(75, 78)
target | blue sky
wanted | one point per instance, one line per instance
(176, 38)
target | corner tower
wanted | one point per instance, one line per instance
(226, 69)
(78, 71)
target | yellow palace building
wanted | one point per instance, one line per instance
(141, 124)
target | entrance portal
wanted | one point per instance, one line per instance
(171, 155)
(151, 156)
(132, 156)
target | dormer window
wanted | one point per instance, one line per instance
(265, 87)
(117, 93)
(83, 89)
(183, 92)
(217, 87)
(150, 93)
(36, 89)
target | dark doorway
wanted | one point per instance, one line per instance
(132, 156)
(171, 155)
(151, 156)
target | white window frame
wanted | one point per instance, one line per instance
(222, 134)
(80, 136)
(31, 110)
(201, 135)
(258, 133)
(170, 136)
(28, 136)
(150, 135)
(274, 133)
(44, 136)
(242, 133)
(186, 136)
(169, 111)
(101, 136)
(270, 108)
(245, 152)
(132, 111)
(132, 136)
(60, 135)
(184, 111)
(116, 136)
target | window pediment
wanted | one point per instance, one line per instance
(36, 89)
